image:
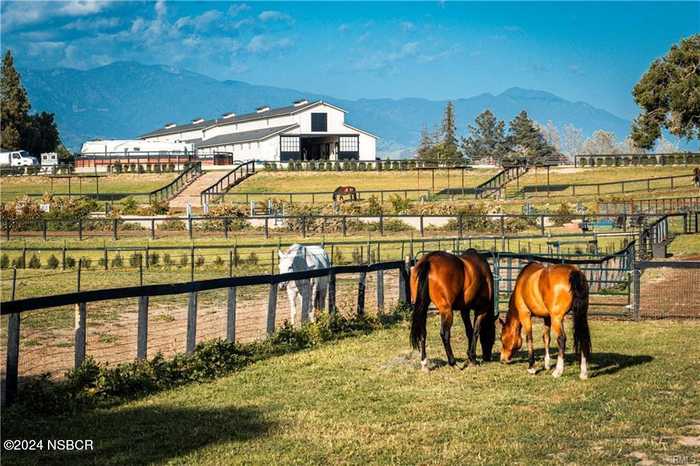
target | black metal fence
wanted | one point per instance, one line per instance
(658, 205)
(226, 182)
(666, 290)
(625, 160)
(189, 174)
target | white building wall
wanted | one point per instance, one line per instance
(267, 150)
(368, 146)
(184, 136)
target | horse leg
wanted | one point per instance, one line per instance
(292, 297)
(423, 356)
(527, 326)
(558, 327)
(546, 339)
(475, 337)
(467, 329)
(445, 328)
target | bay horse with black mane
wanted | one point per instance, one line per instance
(453, 282)
(549, 292)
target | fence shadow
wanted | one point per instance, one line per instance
(140, 435)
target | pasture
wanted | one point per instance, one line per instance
(363, 400)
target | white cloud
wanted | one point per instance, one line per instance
(237, 8)
(343, 28)
(161, 8)
(382, 59)
(19, 14)
(263, 44)
(274, 15)
(97, 24)
(199, 23)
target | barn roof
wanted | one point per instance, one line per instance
(273, 112)
(245, 136)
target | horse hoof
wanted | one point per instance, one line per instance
(425, 369)
(556, 373)
(583, 376)
(532, 371)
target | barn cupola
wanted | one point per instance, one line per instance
(197, 120)
(170, 125)
(228, 115)
(263, 109)
(300, 102)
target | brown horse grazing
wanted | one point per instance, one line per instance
(342, 191)
(549, 292)
(453, 282)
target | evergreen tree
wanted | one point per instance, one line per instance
(426, 146)
(41, 134)
(448, 149)
(669, 95)
(526, 139)
(487, 139)
(14, 105)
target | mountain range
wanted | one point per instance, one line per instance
(125, 99)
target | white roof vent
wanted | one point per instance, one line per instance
(170, 125)
(299, 103)
(197, 120)
(228, 115)
(263, 109)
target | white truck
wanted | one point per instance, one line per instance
(17, 158)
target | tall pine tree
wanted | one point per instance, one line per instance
(14, 106)
(448, 148)
(487, 139)
(527, 141)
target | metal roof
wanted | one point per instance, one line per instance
(273, 112)
(244, 136)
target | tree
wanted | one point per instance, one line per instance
(41, 135)
(14, 105)
(669, 95)
(550, 133)
(426, 146)
(448, 149)
(601, 142)
(487, 139)
(572, 140)
(526, 139)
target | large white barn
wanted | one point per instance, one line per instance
(302, 131)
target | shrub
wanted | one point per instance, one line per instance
(399, 204)
(218, 261)
(19, 262)
(167, 260)
(102, 262)
(153, 258)
(117, 261)
(184, 260)
(129, 206)
(34, 262)
(4, 261)
(252, 259)
(200, 261)
(70, 262)
(85, 262)
(135, 260)
(158, 207)
(53, 262)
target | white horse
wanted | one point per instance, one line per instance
(299, 258)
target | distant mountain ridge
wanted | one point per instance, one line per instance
(125, 99)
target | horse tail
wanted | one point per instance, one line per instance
(420, 307)
(579, 307)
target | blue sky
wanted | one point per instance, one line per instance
(592, 52)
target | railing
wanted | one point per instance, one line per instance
(322, 196)
(676, 295)
(659, 205)
(495, 184)
(230, 179)
(143, 158)
(173, 188)
(619, 187)
(618, 160)
(364, 165)
(81, 299)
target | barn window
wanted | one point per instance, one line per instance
(319, 122)
(289, 144)
(349, 144)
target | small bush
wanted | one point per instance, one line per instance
(34, 262)
(85, 262)
(199, 261)
(218, 261)
(153, 258)
(135, 260)
(53, 262)
(167, 260)
(129, 206)
(19, 262)
(184, 260)
(252, 259)
(117, 261)
(4, 261)
(102, 262)
(70, 262)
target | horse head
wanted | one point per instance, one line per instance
(511, 340)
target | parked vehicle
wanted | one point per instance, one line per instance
(17, 158)
(49, 159)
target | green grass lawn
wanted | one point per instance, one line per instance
(12, 187)
(363, 400)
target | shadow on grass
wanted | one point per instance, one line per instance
(599, 364)
(141, 435)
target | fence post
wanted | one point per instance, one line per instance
(636, 279)
(267, 227)
(542, 224)
(271, 308)
(345, 226)
(421, 225)
(153, 229)
(114, 229)
(80, 330)
(231, 315)
(80, 229)
(12, 363)
(331, 293)
(45, 228)
(380, 291)
(361, 293)
(191, 322)
(142, 330)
